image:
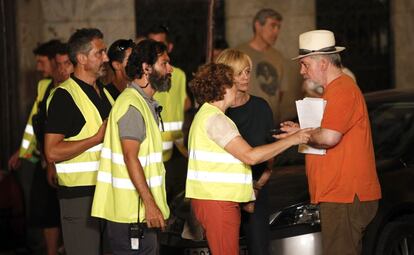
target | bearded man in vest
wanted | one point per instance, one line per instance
(75, 128)
(130, 193)
(175, 103)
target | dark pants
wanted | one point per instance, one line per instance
(82, 233)
(343, 225)
(34, 237)
(175, 175)
(256, 225)
(44, 204)
(118, 234)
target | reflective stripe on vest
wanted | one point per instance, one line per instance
(213, 173)
(79, 167)
(205, 176)
(25, 143)
(116, 198)
(126, 183)
(212, 156)
(167, 145)
(29, 129)
(172, 126)
(118, 158)
(81, 170)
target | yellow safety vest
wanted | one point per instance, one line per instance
(29, 143)
(82, 169)
(172, 114)
(213, 173)
(116, 198)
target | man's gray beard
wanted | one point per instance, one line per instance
(160, 83)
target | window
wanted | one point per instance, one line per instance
(363, 27)
(392, 126)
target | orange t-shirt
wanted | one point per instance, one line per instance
(348, 168)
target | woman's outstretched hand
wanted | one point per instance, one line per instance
(298, 136)
(288, 127)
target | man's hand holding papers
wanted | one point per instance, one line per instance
(310, 112)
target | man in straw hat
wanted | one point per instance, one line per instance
(344, 180)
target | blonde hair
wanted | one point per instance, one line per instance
(235, 59)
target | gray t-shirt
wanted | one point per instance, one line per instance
(267, 76)
(132, 125)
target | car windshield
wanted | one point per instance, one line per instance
(392, 126)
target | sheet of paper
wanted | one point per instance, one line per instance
(310, 113)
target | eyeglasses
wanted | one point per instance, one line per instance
(125, 44)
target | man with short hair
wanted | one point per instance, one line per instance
(268, 79)
(118, 54)
(343, 181)
(174, 104)
(63, 68)
(75, 129)
(63, 64)
(130, 193)
(43, 54)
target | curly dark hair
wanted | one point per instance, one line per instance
(146, 51)
(210, 82)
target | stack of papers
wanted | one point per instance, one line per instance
(310, 112)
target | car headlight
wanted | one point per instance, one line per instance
(302, 213)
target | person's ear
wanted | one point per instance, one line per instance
(53, 62)
(257, 26)
(147, 69)
(81, 58)
(116, 65)
(324, 64)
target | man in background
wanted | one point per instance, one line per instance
(44, 53)
(28, 159)
(44, 203)
(268, 78)
(174, 103)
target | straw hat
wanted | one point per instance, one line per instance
(317, 42)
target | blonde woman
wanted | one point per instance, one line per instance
(254, 119)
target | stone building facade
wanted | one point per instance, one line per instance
(41, 20)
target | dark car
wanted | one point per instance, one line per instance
(295, 224)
